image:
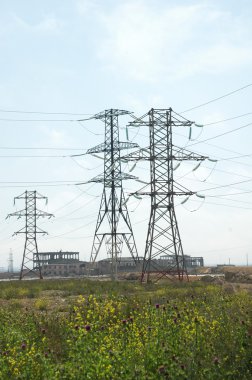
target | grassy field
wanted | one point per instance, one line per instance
(80, 329)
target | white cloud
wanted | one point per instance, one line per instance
(219, 57)
(57, 138)
(85, 6)
(148, 43)
(49, 24)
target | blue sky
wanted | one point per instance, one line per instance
(83, 56)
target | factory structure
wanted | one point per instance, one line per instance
(61, 264)
(68, 264)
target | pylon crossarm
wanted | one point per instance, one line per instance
(181, 189)
(102, 148)
(111, 113)
(44, 214)
(181, 154)
(97, 149)
(139, 155)
(18, 214)
(138, 121)
(155, 193)
(109, 181)
(127, 145)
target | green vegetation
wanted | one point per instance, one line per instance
(80, 329)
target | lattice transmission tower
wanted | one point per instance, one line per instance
(10, 262)
(163, 254)
(30, 261)
(113, 223)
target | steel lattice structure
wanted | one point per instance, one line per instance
(113, 209)
(163, 251)
(30, 261)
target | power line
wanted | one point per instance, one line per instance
(68, 203)
(84, 167)
(84, 127)
(71, 231)
(221, 171)
(224, 205)
(213, 145)
(78, 237)
(79, 208)
(219, 250)
(45, 113)
(227, 172)
(231, 158)
(32, 156)
(56, 120)
(84, 217)
(211, 170)
(76, 197)
(229, 199)
(218, 147)
(216, 99)
(38, 120)
(37, 185)
(206, 167)
(217, 185)
(230, 184)
(38, 148)
(224, 120)
(221, 134)
(79, 218)
(36, 182)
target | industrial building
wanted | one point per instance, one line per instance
(127, 264)
(64, 264)
(61, 264)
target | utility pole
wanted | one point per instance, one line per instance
(113, 223)
(30, 261)
(163, 254)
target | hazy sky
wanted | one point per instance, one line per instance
(84, 56)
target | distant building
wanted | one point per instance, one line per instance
(59, 257)
(64, 264)
(127, 264)
(65, 269)
(190, 262)
(194, 262)
(124, 264)
(61, 264)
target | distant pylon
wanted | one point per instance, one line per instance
(10, 262)
(30, 261)
(163, 254)
(113, 215)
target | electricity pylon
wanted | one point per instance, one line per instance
(10, 263)
(163, 254)
(30, 261)
(113, 215)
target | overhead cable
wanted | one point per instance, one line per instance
(229, 119)
(221, 134)
(70, 231)
(224, 205)
(218, 98)
(37, 148)
(228, 185)
(44, 113)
